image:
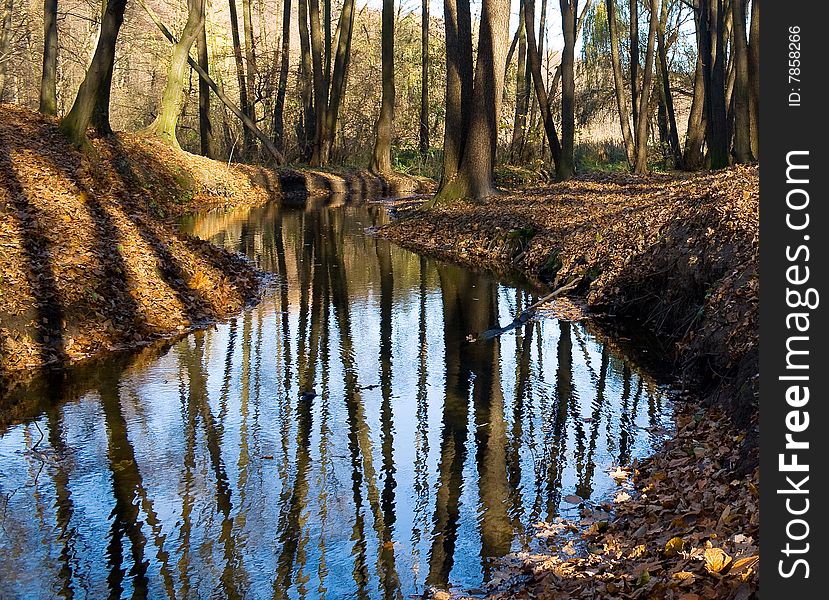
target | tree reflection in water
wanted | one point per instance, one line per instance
(340, 439)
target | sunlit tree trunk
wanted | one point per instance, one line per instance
(320, 81)
(74, 124)
(742, 92)
(341, 60)
(306, 131)
(753, 76)
(566, 167)
(49, 77)
(424, 80)
(5, 45)
(250, 56)
(692, 158)
(282, 85)
(665, 88)
(634, 60)
(522, 89)
(474, 178)
(640, 164)
(244, 101)
(172, 100)
(618, 80)
(458, 25)
(206, 141)
(538, 82)
(381, 161)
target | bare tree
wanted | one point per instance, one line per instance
(742, 92)
(282, 85)
(49, 78)
(423, 138)
(381, 161)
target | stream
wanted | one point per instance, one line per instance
(339, 439)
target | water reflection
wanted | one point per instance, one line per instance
(342, 439)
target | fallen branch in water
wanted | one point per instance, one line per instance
(525, 314)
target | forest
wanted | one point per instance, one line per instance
(379, 299)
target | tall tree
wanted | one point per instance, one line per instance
(522, 87)
(206, 141)
(711, 39)
(618, 80)
(282, 85)
(172, 100)
(666, 98)
(566, 167)
(74, 124)
(250, 55)
(458, 25)
(49, 77)
(742, 92)
(692, 157)
(5, 43)
(634, 59)
(337, 92)
(640, 164)
(381, 161)
(423, 137)
(754, 76)
(307, 126)
(320, 80)
(244, 100)
(474, 178)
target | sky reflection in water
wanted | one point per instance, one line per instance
(209, 467)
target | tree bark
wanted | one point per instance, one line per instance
(424, 81)
(74, 124)
(250, 56)
(306, 132)
(695, 135)
(172, 100)
(49, 77)
(341, 60)
(712, 48)
(458, 24)
(566, 167)
(244, 101)
(640, 165)
(475, 179)
(634, 60)
(665, 88)
(522, 88)
(5, 50)
(621, 96)
(538, 82)
(754, 76)
(206, 141)
(282, 85)
(381, 162)
(320, 82)
(742, 92)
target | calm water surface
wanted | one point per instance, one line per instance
(341, 439)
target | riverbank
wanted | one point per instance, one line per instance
(678, 254)
(91, 258)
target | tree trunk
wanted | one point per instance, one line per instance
(634, 60)
(49, 77)
(522, 88)
(566, 166)
(5, 49)
(621, 96)
(424, 80)
(207, 144)
(250, 56)
(244, 101)
(100, 115)
(742, 92)
(341, 60)
(474, 179)
(172, 100)
(381, 162)
(640, 165)
(665, 77)
(282, 85)
(458, 24)
(74, 124)
(307, 130)
(320, 82)
(695, 134)
(712, 48)
(754, 76)
(538, 82)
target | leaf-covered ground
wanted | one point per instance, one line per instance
(677, 254)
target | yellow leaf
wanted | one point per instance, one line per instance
(674, 546)
(716, 560)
